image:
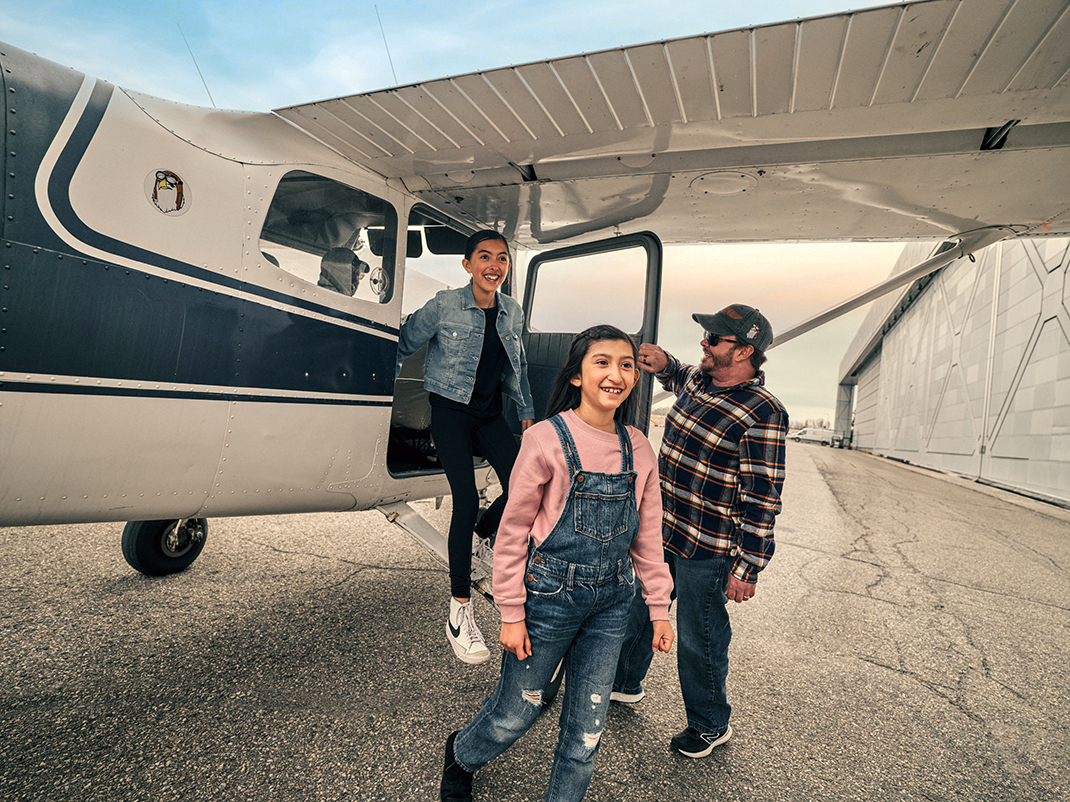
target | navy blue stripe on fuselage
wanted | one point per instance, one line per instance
(59, 199)
(196, 395)
(64, 316)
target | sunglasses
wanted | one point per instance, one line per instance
(715, 339)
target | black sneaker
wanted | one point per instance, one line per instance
(456, 782)
(693, 743)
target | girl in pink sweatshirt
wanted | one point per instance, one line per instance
(583, 523)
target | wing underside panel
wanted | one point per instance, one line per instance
(874, 120)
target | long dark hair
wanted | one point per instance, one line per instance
(565, 395)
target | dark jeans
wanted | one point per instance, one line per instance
(455, 433)
(703, 634)
(636, 653)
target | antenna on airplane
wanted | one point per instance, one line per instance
(385, 44)
(195, 64)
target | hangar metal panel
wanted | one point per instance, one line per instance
(865, 412)
(973, 376)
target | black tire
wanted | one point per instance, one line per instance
(158, 548)
(824, 442)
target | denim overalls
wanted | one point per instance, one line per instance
(580, 583)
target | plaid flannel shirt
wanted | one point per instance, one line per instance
(722, 469)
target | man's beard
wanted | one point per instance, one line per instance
(718, 362)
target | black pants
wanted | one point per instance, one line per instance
(455, 433)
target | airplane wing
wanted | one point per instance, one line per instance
(919, 120)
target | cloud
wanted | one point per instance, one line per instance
(343, 66)
(120, 51)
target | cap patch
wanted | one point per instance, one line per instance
(752, 333)
(732, 313)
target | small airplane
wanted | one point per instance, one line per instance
(199, 309)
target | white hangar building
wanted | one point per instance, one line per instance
(968, 369)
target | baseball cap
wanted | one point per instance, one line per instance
(745, 323)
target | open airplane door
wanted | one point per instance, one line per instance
(615, 281)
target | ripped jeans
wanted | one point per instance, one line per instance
(585, 624)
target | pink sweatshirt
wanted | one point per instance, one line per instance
(538, 488)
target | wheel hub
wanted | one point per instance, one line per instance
(181, 537)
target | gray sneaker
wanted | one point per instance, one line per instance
(482, 558)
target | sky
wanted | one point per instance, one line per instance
(268, 54)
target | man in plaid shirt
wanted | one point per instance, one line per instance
(722, 472)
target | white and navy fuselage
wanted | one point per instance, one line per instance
(155, 361)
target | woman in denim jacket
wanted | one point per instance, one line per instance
(474, 352)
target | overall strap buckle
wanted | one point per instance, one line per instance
(568, 445)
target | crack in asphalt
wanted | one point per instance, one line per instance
(883, 539)
(360, 567)
(933, 687)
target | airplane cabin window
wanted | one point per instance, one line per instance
(434, 263)
(572, 294)
(333, 236)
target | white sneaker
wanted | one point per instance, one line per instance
(482, 558)
(627, 698)
(464, 635)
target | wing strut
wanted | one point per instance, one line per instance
(416, 526)
(419, 529)
(957, 247)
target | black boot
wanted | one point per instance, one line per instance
(456, 782)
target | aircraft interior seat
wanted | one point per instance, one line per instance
(546, 353)
(412, 409)
(341, 270)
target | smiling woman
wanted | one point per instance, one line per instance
(607, 376)
(487, 262)
(600, 357)
(474, 352)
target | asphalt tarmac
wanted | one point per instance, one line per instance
(910, 640)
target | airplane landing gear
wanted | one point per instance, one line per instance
(157, 548)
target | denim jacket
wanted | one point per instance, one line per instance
(453, 326)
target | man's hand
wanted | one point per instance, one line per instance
(525, 425)
(662, 636)
(652, 358)
(738, 590)
(514, 638)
